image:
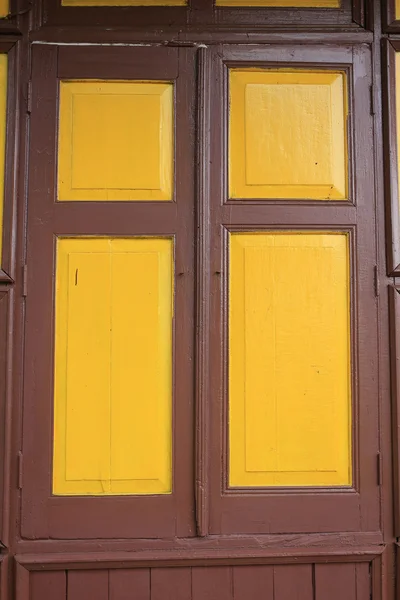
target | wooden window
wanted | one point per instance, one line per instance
(284, 436)
(266, 252)
(115, 365)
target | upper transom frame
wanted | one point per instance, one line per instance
(203, 14)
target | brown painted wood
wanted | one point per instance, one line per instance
(129, 584)
(87, 584)
(307, 510)
(295, 581)
(48, 585)
(171, 584)
(203, 13)
(336, 581)
(252, 583)
(212, 583)
(89, 517)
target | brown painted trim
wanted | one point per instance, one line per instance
(203, 292)
(22, 591)
(228, 544)
(193, 558)
(75, 35)
(394, 312)
(7, 272)
(390, 23)
(203, 13)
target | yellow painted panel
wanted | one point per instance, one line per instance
(3, 126)
(282, 3)
(398, 117)
(287, 135)
(397, 10)
(113, 366)
(124, 2)
(289, 360)
(4, 8)
(115, 140)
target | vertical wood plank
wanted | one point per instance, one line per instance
(212, 583)
(294, 582)
(363, 581)
(171, 584)
(253, 583)
(129, 584)
(49, 584)
(87, 585)
(335, 581)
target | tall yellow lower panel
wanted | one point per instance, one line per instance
(289, 360)
(113, 366)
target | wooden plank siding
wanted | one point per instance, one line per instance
(347, 581)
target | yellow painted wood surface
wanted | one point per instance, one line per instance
(398, 119)
(113, 366)
(3, 127)
(289, 360)
(124, 2)
(287, 135)
(397, 10)
(115, 140)
(4, 8)
(282, 3)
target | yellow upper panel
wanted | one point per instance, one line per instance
(287, 136)
(3, 125)
(397, 10)
(282, 3)
(113, 367)
(115, 141)
(124, 2)
(4, 8)
(398, 116)
(289, 360)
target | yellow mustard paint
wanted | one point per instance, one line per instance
(113, 366)
(397, 10)
(289, 360)
(287, 135)
(3, 126)
(124, 2)
(398, 117)
(4, 8)
(282, 3)
(115, 140)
